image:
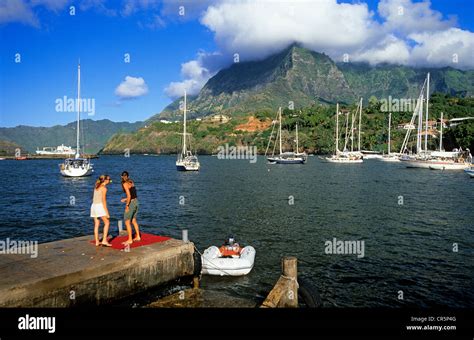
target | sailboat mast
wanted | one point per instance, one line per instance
(360, 119)
(352, 129)
(297, 148)
(420, 125)
(78, 109)
(389, 128)
(441, 134)
(427, 101)
(184, 126)
(279, 112)
(337, 128)
(347, 134)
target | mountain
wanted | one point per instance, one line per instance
(306, 77)
(316, 126)
(96, 134)
(8, 148)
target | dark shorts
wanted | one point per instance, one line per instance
(132, 211)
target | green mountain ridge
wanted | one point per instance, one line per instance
(95, 135)
(316, 130)
(306, 78)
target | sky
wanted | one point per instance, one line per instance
(137, 56)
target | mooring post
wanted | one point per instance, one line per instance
(120, 226)
(185, 236)
(285, 292)
(290, 272)
(289, 267)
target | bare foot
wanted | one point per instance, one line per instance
(106, 244)
(127, 242)
(137, 239)
(97, 243)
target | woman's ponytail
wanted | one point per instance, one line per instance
(99, 181)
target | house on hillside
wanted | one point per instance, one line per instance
(219, 118)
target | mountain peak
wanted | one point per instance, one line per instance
(305, 77)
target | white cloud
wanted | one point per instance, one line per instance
(17, 11)
(405, 32)
(452, 47)
(407, 17)
(195, 74)
(256, 30)
(389, 50)
(131, 88)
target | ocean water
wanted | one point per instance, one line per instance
(408, 219)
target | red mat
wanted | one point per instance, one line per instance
(146, 240)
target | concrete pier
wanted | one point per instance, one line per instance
(75, 272)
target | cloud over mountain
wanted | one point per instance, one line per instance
(400, 32)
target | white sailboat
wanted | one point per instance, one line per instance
(346, 157)
(424, 158)
(186, 160)
(285, 157)
(77, 166)
(390, 157)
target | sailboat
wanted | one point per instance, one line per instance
(186, 160)
(424, 158)
(303, 154)
(285, 157)
(454, 160)
(390, 157)
(345, 156)
(77, 166)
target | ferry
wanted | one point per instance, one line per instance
(59, 150)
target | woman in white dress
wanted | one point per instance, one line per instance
(99, 209)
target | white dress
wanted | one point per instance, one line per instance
(97, 207)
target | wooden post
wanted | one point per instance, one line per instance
(289, 267)
(195, 282)
(285, 292)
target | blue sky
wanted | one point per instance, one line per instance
(52, 41)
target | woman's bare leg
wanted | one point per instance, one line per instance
(129, 232)
(106, 231)
(96, 231)
(137, 230)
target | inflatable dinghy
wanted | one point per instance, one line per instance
(214, 263)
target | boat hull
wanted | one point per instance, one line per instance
(343, 160)
(77, 172)
(187, 168)
(214, 264)
(434, 165)
(181, 166)
(294, 159)
(390, 159)
(372, 156)
(286, 161)
(449, 166)
(470, 172)
(76, 167)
